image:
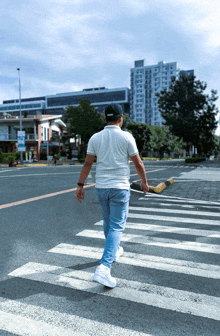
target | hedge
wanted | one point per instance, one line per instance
(4, 156)
(194, 160)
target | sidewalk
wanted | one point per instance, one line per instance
(202, 183)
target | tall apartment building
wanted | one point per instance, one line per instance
(145, 82)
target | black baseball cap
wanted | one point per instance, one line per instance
(113, 110)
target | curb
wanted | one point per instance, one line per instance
(157, 190)
(40, 165)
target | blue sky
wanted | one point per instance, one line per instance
(69, 45)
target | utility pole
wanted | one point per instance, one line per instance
(21, 153)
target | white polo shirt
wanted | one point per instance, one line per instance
(112, 147)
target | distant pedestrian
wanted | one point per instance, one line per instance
(55, 159)
(112, 147)
(207, 159)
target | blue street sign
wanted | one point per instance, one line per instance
(46, 144)
(21, 141)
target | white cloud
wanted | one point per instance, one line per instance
(197, 18)
(63, 45)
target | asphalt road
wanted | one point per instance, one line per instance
(50, 244)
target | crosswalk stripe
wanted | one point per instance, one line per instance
(175, 219)
(176, 203)
(184, 212)
(148, 196)
(20, 325)
(162, 242)
(143, 260)
(20, 318)
(170, 229)
(24, 319)
(188, 206)
(185, 205)
(150, 295)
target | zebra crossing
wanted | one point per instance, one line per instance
(164, 235)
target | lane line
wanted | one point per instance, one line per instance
(141, 260)
(41, 197)
(150, 295)
(183, 212)
(161, 242)
(147, 172)
(27, 175)
(170, 229)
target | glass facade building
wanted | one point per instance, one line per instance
(99, 97)
(57, 104)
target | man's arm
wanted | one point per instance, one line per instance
(83, 176)
(86, 168)
(139, 167)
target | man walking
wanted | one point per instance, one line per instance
(112, 147)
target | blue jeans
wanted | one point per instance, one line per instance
(114, 207)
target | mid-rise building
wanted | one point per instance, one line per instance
(99, 98)
(186, 73)
(57, 104)
(145, 83)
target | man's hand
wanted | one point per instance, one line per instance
(79, 195)
(144, 187)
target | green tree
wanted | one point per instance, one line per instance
(141, 133)
(189, 112)
(163, 141)
(83, 120)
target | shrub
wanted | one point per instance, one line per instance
(194, 159)
(43, 156)
(149, 158)
(8, 158)
(63, 152)
(11, 158)
(5, 159)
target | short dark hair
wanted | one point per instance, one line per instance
(113, 112)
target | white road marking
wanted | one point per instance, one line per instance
(147, 294)
(187, 212)
(173, 198)
(43, 174)
(141, 260)
(23, 326)
(170, 229)
(182, 205)
(171, 205)
(175, 219)
(20, 318)
(152, 241)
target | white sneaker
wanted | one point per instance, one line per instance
(119, 253)
(103, 276)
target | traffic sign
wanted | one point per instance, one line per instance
(21, 141)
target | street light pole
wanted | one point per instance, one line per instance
(21, 153)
